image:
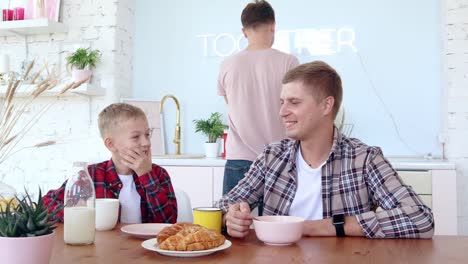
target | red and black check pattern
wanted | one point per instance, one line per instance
(356, 179)
(158, 201)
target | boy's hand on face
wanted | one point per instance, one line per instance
(137, 160)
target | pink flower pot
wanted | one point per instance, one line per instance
(79, 75)
(26, 250)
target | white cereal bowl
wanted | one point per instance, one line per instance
(278, 230)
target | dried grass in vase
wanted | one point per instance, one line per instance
(13, 127)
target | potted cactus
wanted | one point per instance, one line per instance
(82, 61)
(213, 128)
(26, 226)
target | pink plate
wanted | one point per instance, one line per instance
(145, 231)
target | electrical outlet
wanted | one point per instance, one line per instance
(428, 156)
(443, 138)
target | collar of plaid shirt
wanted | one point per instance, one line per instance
(335, 152)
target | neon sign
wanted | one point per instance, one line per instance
(309, 41)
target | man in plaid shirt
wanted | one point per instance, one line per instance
(144, 189)
(332, 181)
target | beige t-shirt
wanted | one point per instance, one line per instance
(251, 81)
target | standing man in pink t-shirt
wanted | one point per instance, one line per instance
(250, 81)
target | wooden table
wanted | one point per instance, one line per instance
(115, 247)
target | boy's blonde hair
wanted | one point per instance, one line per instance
(113, 114)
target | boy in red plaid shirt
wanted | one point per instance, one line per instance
(144, 189)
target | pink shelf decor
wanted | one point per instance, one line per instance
(7, 14)
(18, 13)
(43, 8)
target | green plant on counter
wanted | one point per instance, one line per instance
(213, 127)
(83, 58)
(26, 218)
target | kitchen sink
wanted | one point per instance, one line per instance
(180, 156)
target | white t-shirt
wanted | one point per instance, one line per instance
(129, 199)
(307, 202)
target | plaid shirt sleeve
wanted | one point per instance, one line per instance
(249, 189)
(54, 199)
(404, 215)
(159, 195)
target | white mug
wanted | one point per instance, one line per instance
(107, 213)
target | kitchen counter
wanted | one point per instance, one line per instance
(399, 163)
(190, 162)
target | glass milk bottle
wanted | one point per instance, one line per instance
(79, 212)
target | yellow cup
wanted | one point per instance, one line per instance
(209, 217)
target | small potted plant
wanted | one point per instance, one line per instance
(26, 230)
(82, 62)
(213, 128)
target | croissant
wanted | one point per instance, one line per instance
(188, 237)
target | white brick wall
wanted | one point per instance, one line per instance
(72, 120)
(455, 13)
(124, 46)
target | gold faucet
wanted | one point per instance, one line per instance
(177, 128)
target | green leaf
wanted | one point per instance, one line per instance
(212, 127)
(83, 58)
(29, 218)
(31, 225)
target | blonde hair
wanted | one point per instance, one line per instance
(113, 114)
(322, 80)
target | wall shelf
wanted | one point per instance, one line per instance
(84, 90)
(31, 27)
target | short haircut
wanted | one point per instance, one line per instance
(257, 13)
(113, 114)
(321, 79)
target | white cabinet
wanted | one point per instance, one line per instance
(444, 201)
(421, 182)
(203, 185)
(197, 182)
(218, 177)
(437, 189)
